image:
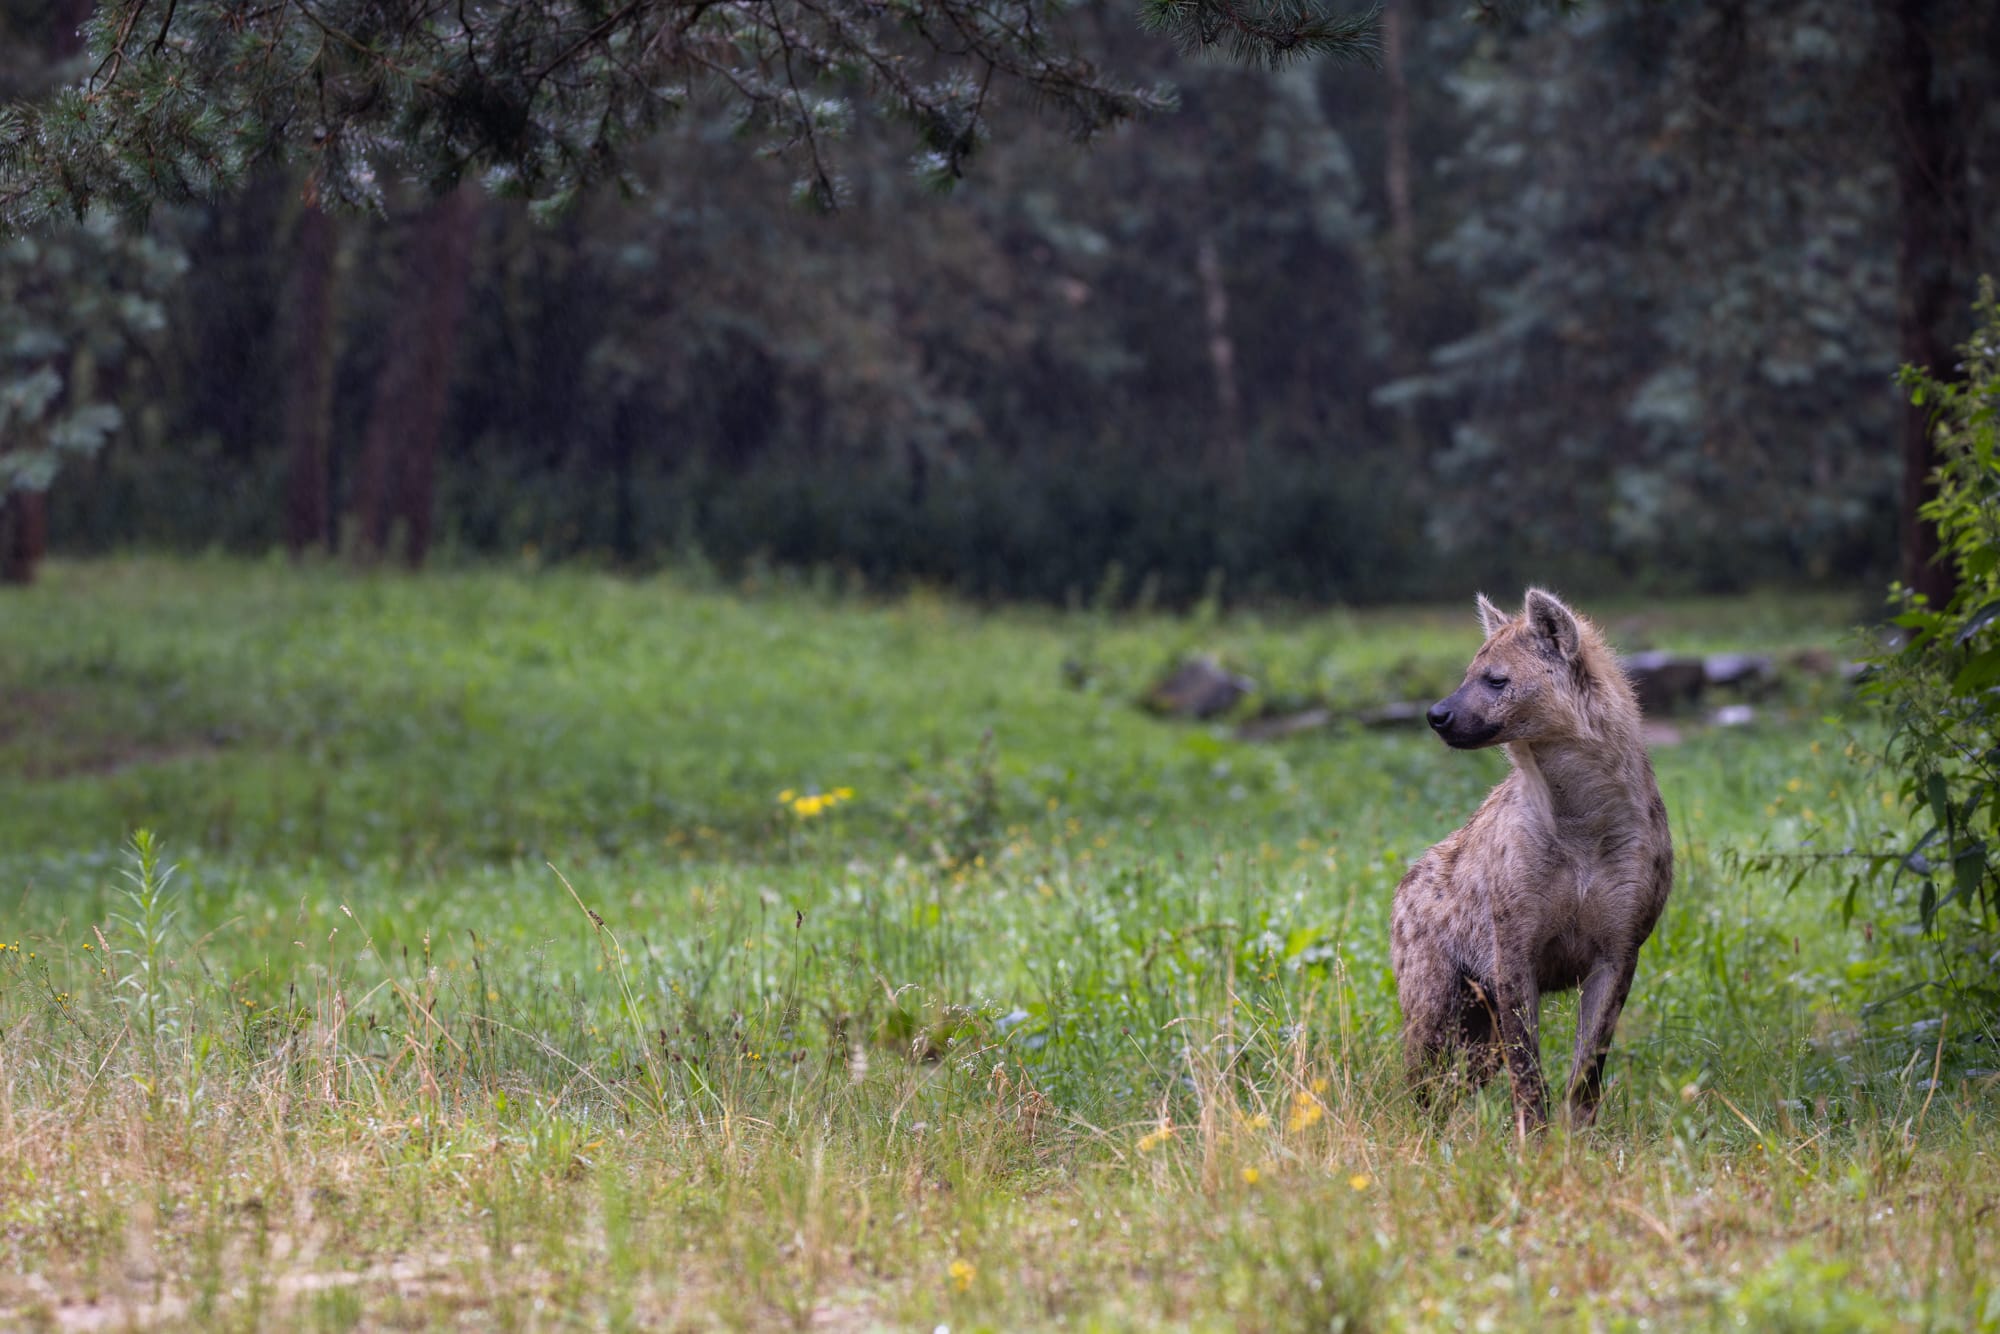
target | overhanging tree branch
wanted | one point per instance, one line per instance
(542, 96)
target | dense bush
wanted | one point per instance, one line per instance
(1314, 527)
(1941, 688)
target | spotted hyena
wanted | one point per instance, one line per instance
(1557, 879)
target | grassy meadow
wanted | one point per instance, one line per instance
(552, 950)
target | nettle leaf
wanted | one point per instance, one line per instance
(1980, 671)
(1938, 793)
(1913, 619)
(1982, 618)
(1968, 870)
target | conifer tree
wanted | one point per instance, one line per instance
(542, 97)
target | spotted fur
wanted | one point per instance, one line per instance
(1557, 879)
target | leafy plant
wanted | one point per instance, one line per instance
(1940, 686)
(146, 927)
(957, 814)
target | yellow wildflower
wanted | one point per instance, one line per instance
(1306, 1111)
(1360, 1181)
(962, 1272)
(1153, 1139)
(1250, 1175)
(1261, 1121)
(806, 805)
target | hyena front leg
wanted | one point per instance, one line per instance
(1517, 1011)
(1597, 1010)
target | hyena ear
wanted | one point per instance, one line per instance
(1553, 623)
(1491, 618)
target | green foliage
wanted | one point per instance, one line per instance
(78, 301)
(1800, 1294)
(1682, 346)
(1939, 688)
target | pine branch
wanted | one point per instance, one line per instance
(1272, 34)
(539, 96)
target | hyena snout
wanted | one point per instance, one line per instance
(1459, 725)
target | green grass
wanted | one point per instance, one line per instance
(1069, 1016)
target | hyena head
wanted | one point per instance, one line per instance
(1525, 682)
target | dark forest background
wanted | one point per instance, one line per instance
(1609, 298)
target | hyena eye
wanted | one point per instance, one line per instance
(1497, 681)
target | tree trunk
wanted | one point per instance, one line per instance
(24, 535)
(624, 505)
(1226, 450)
(398, 467)
(1396, 151)
(1406, 355)
(308, 413)
(1930, 257)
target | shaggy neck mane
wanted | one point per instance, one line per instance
(1576, 771)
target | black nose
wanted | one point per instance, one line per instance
(1439, 717)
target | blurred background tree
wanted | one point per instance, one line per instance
(78, 298)
(1610, 297)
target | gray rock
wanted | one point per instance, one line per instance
(1198, 688)
(1665, 681)
(1736, 669)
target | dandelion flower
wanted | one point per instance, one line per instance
(962, 1272)
(1360, 1181)
(1250, 1175)
(805, 805)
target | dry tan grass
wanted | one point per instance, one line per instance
(325, 1186)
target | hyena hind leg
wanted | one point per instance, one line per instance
(1479, 1035)
(1449, 1037)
